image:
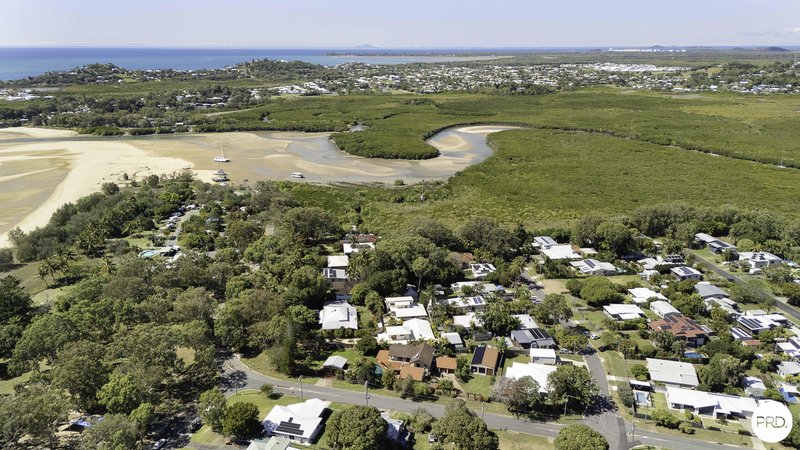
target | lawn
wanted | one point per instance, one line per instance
(479, 384)
(261, 363)
(614, 362)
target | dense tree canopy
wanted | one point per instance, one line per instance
(579, 437)
(356, 428)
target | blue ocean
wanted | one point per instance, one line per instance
(18, 63)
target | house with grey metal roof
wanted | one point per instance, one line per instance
(684, 273)
(707, 290)
(672, 373)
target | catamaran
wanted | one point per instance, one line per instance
(298, 175)
(221, 157)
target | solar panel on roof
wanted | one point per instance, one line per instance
(477, 358)
(289, 428)
(590, 263)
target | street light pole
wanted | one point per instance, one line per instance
(300, 380)
(366, 393)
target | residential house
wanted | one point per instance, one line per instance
(682, 328)
(350, 247)
(485, 360)
(754, 386)
(274, 443)
(526, 322)
(714, 245)
(672, 373)
(788, 368)
(414, 360)
(466, 304)
(662, 308)
(335, 363)
(718, 406)
(334, 275)
(621, 311)
(338, 315)
(756, 324)
(684, 273)
(405, 308)
(645, 295)
(396, 431)
(544, 242)
(455, 341)
(760, 260)
(539, 372)
(791, 347)
(557, 252)
(533, 338)
(338, 262)
(544, 356)
(593, 267)
(414, 329)
(300, 422)
(480, 270)
(707, 290)
(729, 306)
(476, 286)
(469, 320)
(446, 364)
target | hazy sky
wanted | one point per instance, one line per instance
(404, 23)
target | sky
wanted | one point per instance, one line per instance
(403, 24)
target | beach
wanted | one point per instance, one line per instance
(42, 169)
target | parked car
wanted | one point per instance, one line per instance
(159, 444)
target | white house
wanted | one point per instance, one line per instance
(338, 261)
(454, 339)
(594, 267)
(760, 260)
(684, 273)
(621, 311)
(473, 303)
(787, 368)
(405, 308)
(663, 309)
(480, 270)
(644, 295)
(338, 315)
(543, 356)
(538, 372)
(357, 247)
(467, 320)
(274, 443)
(557, 252)
(299, 422)
(754, 386)
(711, 404)
(544, 242)
(526, 322)
(672, 373)
(411, 330)
(791, 347)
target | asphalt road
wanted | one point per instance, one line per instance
(244, 378)
(254, 380)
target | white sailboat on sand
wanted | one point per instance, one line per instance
(221, 157)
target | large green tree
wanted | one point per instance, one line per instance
(81, 369)
(463, 429)
(572, 384)
(356, 428)
(579, 437)
(114, 432)
(241, 421)
(212, 406)
(35, 410)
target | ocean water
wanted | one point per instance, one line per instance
(17, 62)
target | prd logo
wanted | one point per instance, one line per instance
(772, 421)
